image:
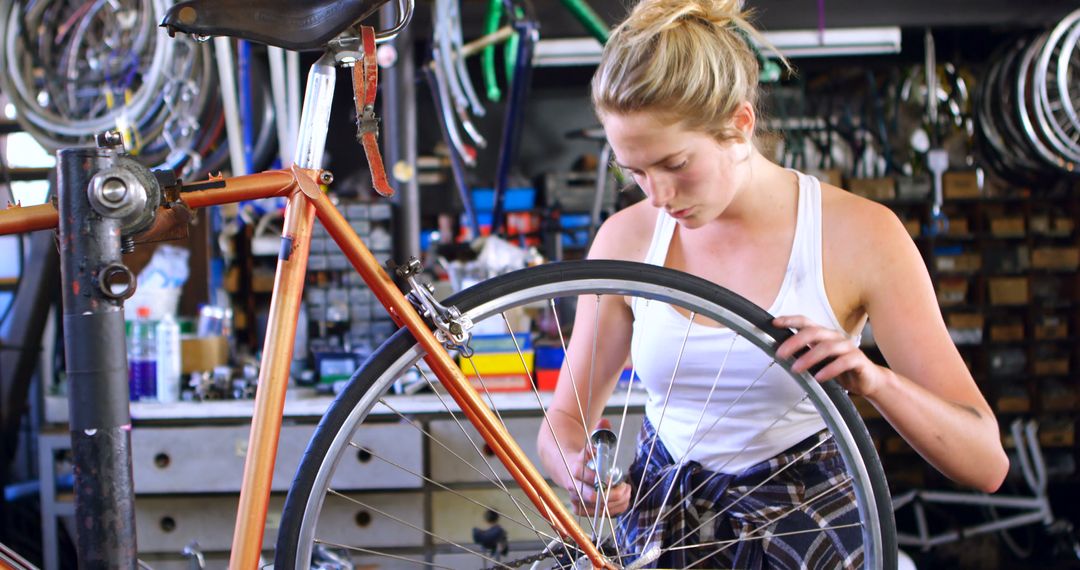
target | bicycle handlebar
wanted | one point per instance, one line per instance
(211, 192)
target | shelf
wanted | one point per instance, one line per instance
(987, 200)
(989, 237)
(1028, 341)
(305, 403)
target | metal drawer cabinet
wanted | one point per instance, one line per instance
(456, 513)
(210, 459)
(167, 524)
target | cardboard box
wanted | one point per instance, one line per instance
(1007, 226)
(1055, 258)
(1057, 434)
(952, 290)
(501, 382)
(546, 379)
(1051, 327)
(914, 187)
(965, 320)
(1057, 397)
(202, 354)
(497, 363)
(1051, 226)
(958, 227)
(1007, 332)
(874, 188)
(960, 184)
(831, 176)
(960, 263)
(486, 343)
(913, 227)
(1008, 291)
(1013, 402)
(1058, 366)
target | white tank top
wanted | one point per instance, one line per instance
(723, 373)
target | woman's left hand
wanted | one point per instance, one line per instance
(842, 358)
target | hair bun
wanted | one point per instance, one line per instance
(665, 14)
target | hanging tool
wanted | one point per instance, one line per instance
(445, 108)
(593, 23)
(447, 35)
(528, 34)
(487, 60)
(458, 46)
(937, 158)
(457, 168)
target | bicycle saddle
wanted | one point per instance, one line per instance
(291, 24)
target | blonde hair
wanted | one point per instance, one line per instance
(689, 60)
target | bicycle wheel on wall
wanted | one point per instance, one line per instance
(458, 509)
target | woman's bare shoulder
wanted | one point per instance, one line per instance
(856, 220)
(626, 234)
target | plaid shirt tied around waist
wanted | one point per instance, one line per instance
(796, 510)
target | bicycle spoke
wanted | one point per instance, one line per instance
(715, 422)
(727, 543)
(667, 397)
(713, 475)
(562, 453)
(455, 492)
(496, 481)
(761, 528)
(749, 492)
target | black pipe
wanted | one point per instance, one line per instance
(527, 30)
(97, 373)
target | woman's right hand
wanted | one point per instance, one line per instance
(584, 495)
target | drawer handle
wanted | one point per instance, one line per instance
(168, 524)
(162, 460)
(363, 519)
(363, 456)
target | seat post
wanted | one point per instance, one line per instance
(315, 116)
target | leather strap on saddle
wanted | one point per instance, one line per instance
(365, 85)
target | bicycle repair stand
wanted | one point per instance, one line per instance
(104, 197)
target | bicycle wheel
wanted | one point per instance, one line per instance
(509, 531)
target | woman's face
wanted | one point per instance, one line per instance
(688, 173)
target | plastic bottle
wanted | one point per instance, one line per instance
(168, 359)
(142, 357)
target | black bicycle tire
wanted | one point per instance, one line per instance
(401, 342)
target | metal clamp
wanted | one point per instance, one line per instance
(368, 122)
(105, 281)
(116, 193)
(451, 327)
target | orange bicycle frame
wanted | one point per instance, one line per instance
(306, 200)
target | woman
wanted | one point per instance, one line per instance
(676, 90)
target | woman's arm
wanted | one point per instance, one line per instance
(586, 383)
(927, 394)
